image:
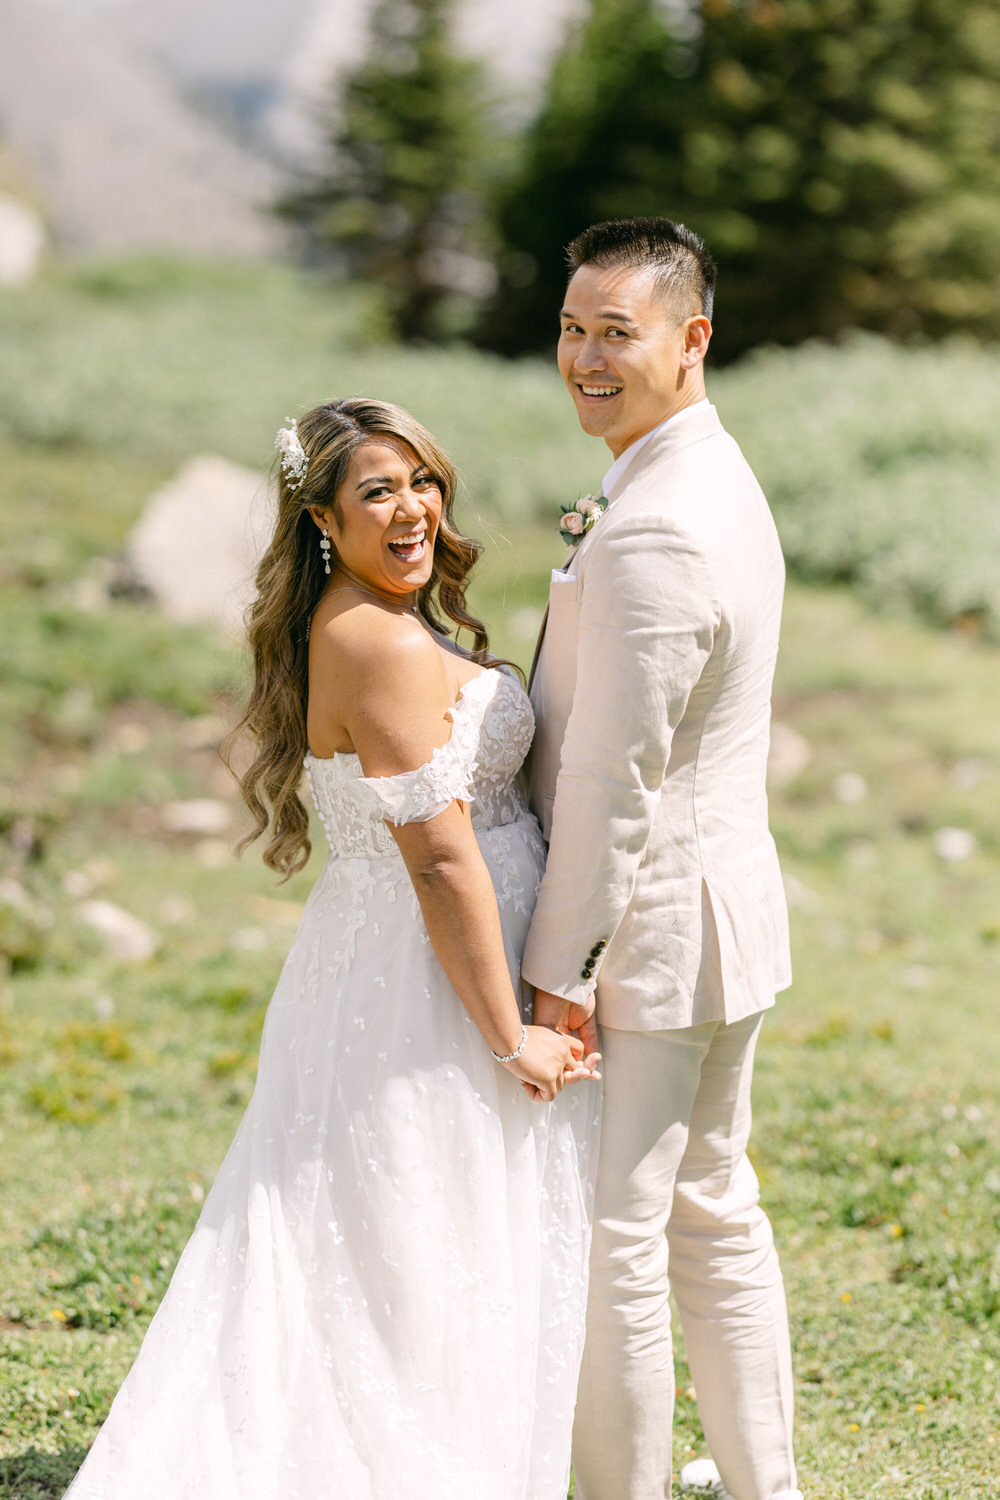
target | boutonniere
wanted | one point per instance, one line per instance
(580, 517)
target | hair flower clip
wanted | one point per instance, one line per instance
(294, 462)
(580, 517)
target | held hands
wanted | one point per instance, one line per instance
(550, 1060)
(571, 1020)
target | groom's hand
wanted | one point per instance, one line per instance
(571, 1019)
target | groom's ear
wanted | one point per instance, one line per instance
(697, 334)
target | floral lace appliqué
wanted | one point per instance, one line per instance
(492, 726)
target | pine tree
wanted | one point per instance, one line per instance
(840, 157)
(404, 202)
(581, 158)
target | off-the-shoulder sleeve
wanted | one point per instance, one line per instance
(416, 796)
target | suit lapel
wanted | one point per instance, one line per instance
(538, 647)
(680, 432)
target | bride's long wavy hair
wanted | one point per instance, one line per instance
(290, 580)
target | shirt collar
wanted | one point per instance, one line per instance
(622, 462)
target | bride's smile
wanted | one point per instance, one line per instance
(384, 521)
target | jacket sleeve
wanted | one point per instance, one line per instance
(648, 621)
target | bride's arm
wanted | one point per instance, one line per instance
(381, 679)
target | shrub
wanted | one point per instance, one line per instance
(879, 460)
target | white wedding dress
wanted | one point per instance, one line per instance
(383, 1298)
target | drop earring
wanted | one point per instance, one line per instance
(324, 547)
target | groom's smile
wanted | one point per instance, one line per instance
(623, 353)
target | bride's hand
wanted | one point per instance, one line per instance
(569, 1018)
(549, 1060)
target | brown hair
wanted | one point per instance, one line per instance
(290, 580)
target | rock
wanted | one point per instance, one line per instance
(249, 940)
(85, 880)
(849, 788)
(66, 778)
(213, 854)
(789, 755)
(206, 732)
(954, 844)
(176, 910)
(125, 937)
(966, 774)
(24, 924)
(129, 738)
(203, 816)
(90, 591)
(22, 240)
(196, 548)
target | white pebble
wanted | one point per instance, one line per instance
(789, 754)
(954, 844)
(850, 788)
(176, 910)
(201, 815)
(248, 940)
(125, 937)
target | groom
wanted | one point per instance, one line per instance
(662, 904)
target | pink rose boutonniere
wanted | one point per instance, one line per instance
(580, 517)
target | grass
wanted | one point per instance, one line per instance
(877, 1128)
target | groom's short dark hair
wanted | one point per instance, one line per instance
(685, 272)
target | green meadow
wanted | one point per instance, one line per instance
(877, 1135)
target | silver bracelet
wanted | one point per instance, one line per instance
(520, 1048)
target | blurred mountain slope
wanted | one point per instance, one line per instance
(122, 162)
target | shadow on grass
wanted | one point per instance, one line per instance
(39, 1476)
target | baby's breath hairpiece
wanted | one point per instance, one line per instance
(294, 462)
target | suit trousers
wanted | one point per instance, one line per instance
(677, 1198)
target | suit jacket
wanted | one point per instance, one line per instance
(652, 696)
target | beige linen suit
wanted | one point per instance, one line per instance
(651, 690)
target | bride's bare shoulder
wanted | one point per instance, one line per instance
(370, 652)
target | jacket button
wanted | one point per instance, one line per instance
(586, 973)
(597, 950)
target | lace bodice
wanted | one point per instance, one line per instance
(492, 726)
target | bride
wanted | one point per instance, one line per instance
(383, 1297)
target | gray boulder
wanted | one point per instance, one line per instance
(197, 545)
